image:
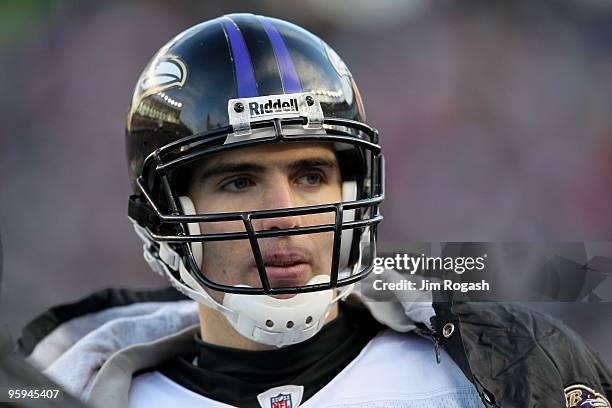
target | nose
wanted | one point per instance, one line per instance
(279, 195)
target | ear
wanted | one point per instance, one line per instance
(193, 228)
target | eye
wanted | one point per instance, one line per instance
(237, 184)
(311, 179)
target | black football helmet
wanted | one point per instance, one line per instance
(237, 81)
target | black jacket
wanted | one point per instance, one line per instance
(517, 357)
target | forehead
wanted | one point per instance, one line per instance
(273, 154)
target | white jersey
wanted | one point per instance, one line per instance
(394, 370)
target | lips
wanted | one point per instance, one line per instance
(286, 269)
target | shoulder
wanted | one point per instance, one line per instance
(45, 323)
(72, 342)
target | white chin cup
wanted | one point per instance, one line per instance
(281, 322)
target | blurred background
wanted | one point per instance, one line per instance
(495, 116)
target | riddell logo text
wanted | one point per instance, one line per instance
(273, 106)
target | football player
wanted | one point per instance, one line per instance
(256, 191)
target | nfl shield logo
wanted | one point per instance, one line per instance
(281, 401)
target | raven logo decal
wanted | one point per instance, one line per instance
(579, 395)
(163, 74)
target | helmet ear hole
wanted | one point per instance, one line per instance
(193, 228)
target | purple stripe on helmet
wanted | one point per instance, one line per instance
(245, 77)
(288, 74)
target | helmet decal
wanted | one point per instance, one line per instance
(337, 62)
(164, 73)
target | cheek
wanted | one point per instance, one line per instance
(226, 262)
(324, 243)
(331, 194)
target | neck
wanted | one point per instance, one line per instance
(216, 329)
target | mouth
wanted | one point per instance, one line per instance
(286, 269)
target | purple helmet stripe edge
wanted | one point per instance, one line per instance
(289, 77)
(245, 76)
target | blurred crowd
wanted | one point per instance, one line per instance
(495, 116)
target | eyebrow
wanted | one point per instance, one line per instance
(251, 167)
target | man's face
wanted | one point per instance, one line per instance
(263, 178)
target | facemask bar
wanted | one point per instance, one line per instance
(189, 149)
